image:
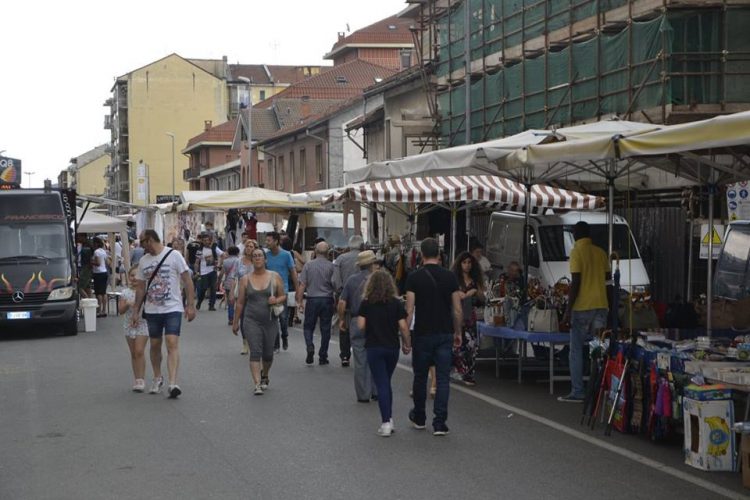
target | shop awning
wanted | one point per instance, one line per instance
(252, 198)
(494, 191)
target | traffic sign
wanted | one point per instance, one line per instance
(716, 236)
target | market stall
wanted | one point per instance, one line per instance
(90, 222)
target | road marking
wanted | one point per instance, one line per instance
(636, 457)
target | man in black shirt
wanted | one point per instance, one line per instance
(433, 300)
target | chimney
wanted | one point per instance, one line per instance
(304, 108)
(207, 124)
(342, 35)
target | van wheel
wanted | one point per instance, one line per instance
(71, 327)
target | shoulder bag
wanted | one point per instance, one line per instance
(153, 275)
(276, 309)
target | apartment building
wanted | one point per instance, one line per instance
(88, 172)
(158, 108)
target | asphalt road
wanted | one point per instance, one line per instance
(70, 428)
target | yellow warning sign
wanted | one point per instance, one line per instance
(715, 237)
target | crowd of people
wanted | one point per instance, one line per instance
(431, 315)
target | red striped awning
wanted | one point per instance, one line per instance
(486, 189)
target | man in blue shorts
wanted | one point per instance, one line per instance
(165, 269)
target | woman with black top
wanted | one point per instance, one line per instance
(381, 317)
(471, 291)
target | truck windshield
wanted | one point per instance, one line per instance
(558, 241)
(33, 240)
(731, 279)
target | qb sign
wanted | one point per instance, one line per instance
(10, 171)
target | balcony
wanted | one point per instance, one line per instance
(191, 173)
(107, 122)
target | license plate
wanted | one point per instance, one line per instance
(19, 315)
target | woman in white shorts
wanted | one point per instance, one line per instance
(136, 337)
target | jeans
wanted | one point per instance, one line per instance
(434, 349)
(163, 324)
(283, 326)
(318, 308)
(364, 385)
(582, 325)
(207, 283)
(345, 342)
(382, 362)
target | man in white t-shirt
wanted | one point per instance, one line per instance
(163, 304)
(207, 261)
(101, 276)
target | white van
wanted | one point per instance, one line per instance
(732, 277)
(552, 240)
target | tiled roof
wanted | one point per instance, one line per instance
(257, 73)
(392, 30)
(223, 132)
(312, 120)
(344, 81)
(264, 123)
(290, 112)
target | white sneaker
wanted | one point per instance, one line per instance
(264, 383)
(140, 385)
(156, 385)
(386, 429)
(258, 390)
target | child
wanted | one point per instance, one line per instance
(136, 337)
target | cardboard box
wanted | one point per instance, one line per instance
(707, 392)
(709, 438)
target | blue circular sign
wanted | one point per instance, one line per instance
(732, 205)
(732, 194)
(743, 193)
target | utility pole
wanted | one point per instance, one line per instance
(29, 180)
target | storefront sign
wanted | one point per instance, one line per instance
(738, 201)
(10, 171)
(141, 181)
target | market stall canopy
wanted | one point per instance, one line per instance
(252, 198)
(94, 222)
(470, 159)
(495, 191)
(187, 198)
(314, 196)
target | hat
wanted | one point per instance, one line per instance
(366, 258)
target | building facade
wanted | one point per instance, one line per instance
(498, 67)
(89, 172)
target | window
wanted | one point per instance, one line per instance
(281, 175)
(271, 177)
(302, 176)
(292, 170)
(262, 95)
(319, 162)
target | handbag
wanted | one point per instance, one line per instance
(276, 309)
(543, 320)
(153, 274)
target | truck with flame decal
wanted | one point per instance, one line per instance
(37, 259)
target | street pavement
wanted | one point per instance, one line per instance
(70, 428)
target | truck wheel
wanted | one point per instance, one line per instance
(71, 327)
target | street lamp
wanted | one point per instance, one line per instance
(29, 174)
(171, 136)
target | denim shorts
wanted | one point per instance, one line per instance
(163, 324)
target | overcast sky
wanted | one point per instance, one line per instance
(60, 58)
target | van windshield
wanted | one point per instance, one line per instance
(33, 240)
(731, 279)
(558, 241)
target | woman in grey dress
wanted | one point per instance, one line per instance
(258, 292)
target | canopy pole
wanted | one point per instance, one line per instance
(527, 230)
(611, 206)
(710, 272)
(689, 294)
(453, 233)
(468, 228)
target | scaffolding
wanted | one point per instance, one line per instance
(538, 64)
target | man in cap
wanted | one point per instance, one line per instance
(348, 307)
(317, 279)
